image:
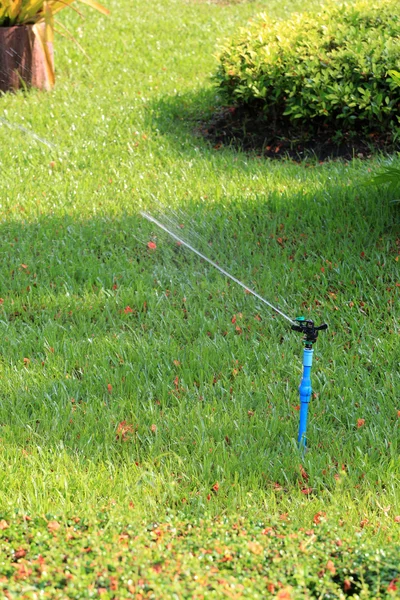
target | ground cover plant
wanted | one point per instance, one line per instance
(142, 393)
(327, 73)
(224, 558)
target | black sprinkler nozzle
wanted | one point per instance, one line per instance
(310, 331)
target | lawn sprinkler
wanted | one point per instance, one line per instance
(300, 324)
(307, 327)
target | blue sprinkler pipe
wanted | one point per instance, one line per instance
(305, 390)
(310, 337)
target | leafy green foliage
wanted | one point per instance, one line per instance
(336, 67)
(389, 176)
(110, 557)
(28, 12)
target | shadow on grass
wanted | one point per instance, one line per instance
(96, 332)
(202, 116)
(180, 117)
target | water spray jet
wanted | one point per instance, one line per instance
(300, 324)
(32, 134)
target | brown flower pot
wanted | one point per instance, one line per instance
(22, 61)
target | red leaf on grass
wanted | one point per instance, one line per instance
(255, 547)
(318, 517)
(124, 431)
(285, 594)
(53, 526)
(303, 473)
(157, 567)
(360, 423)
(346, 585)
(23, 572)
(284, 516)
(331, 567)
(128, 310)
(151, 245)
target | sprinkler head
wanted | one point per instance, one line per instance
(307, 327)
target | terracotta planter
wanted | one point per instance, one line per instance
(22, 61)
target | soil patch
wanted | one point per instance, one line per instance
(243, 128)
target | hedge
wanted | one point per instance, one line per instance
(335, 67)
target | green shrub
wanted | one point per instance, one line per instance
(338, 64)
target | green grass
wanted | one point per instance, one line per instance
(312, 238)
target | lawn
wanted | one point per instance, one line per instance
(148, 407)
